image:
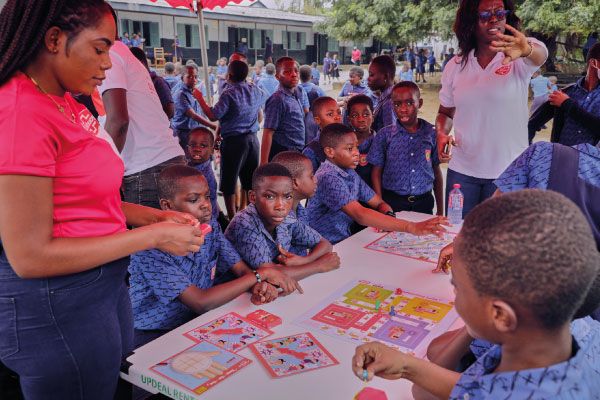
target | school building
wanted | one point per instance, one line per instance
(292, 34)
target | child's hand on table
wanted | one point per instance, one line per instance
(378, 360)
(329, 262)
(280, 279)
(263, 292)
(445, 259)
(430, 226)
(289, 259)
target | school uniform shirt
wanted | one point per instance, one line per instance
(364, 167)
(361, 88)
(238, 107)
(316, 75)
(406, 76)
(255, 244)
(407, 159)
(490, 122)
(577, 378)
(312, 91)
(575, 121)
(531, 170)
(336, 187)
(184, 100)
(38, 140)
(206, 170)
(162, 89)
(539, 86)
(383, 114)
(301, 215)
(284, 113)
(315, 153)
(149, 139)
(269, 84)
(172, 81)
(158, 279)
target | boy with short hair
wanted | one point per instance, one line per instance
(188, 114)
(506, 244)
(336, 204)
(269, 83)
(360, 117)
(354, 85)
(304, 183)
(315, 74)
(239, 112)
(312, 91)
(284, 113)
(325, 111)
(170, 76)
(167, 291)
(264, 233)
(404, 157)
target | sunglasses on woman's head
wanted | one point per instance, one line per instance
(485, 16)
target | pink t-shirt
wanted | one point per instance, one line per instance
(38, 140)
(356, 55)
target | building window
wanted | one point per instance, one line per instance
(294, 40)
(189, 36)
(149, 31)
(258, 38)
(332, 44)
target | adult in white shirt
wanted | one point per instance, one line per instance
(484, 97)
(138, 126)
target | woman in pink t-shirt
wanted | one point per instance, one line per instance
(65, 314)
(484, 96)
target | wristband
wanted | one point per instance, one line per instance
(531, 51)
(391, 214)
(258, 277)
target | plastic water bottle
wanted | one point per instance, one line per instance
(455, 205)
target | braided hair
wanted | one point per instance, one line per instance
(24, 23)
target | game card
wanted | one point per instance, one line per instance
(200, 367)
(231, 332)
(424, 248)
(292, 355)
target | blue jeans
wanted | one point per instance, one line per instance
(475, 190)
(66, 336)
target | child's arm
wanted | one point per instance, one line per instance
(325, 263)
(376, 173)
(192, 114)
(368, 217)
(205, 107)
(291, 259)
(265, 147)
(385, 362)
(202, 300)
(438, 189)
(137, 215)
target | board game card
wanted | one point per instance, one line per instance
(292, 355)
(231, 332)
(264, 319)
(200, 367)
(424, 248)
(370, 393)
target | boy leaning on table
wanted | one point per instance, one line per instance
(336, 204)
(167, 291)
(510, 264)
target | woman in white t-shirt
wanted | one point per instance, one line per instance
(484, 97)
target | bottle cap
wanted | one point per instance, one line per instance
(456, 186)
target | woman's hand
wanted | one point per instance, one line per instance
(513, 47)
(177, 239)
(430, 226)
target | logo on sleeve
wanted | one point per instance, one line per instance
(503, 70)
(428, 155)
(362, 160)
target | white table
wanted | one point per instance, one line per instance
(337, 382)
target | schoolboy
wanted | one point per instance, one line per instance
(284, 113)
(304, 183)
(264, 233)
(167, 291)
(325, 111)
(316, 75)
(506, 244)
(360, 118)
(170, 76)
(404, 157)
(336, 206)
(269, 83)
(312, 91)
(188, 114)
(238, 112)
(354, 85)
(201, 146)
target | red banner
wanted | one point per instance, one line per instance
(204, 4)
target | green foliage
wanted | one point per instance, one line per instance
(405, 21)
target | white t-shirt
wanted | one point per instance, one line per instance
(149, 140)
(490, 122)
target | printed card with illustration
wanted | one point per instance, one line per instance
(200, 367)
(292, 355)
(231, 332)
(424, 248)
